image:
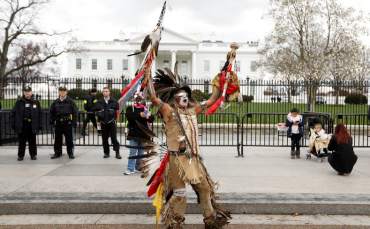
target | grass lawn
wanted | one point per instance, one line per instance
(275, 112)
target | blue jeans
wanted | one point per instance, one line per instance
(131, 166)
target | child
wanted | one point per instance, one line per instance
(319, 141)
(294, 123)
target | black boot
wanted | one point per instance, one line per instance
(55, 156)
(71, 156)
(298, 154)
(118, 156)
(106, 155)
(292, 154)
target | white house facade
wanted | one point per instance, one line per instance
(196, 59)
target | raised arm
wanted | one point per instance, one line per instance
(164, 108)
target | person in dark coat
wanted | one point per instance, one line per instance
(343, 157)
(89, 103)
(106, 111)
(137, 113)
(294, 122)
(26, 122)
(63, 115)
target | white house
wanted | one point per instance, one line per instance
(196, 59)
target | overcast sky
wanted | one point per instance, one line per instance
(228, 20)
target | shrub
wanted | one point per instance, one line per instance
(77, 93)
(198, 95)
(355, 99)
(115, 93)
(248, 98)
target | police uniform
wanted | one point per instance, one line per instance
(26, 122)
(89, 104)
(106, 113)
(63, 114)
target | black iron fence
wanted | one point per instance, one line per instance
(264, 96)
(251, 121)
(220, 129)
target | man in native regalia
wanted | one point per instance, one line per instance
(183, 164)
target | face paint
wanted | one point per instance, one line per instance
(182, 99)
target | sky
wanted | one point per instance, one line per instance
(232, 20)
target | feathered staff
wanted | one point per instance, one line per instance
(224, 79)
(150, 46)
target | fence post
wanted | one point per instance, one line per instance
(238, 135)
(206, 87)
(47, 78)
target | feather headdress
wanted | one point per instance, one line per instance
(167, 84)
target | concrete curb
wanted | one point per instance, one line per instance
(136, 203)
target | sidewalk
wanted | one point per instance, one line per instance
(266, 181)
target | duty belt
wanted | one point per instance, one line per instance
(64, 119)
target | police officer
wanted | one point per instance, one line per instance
(63, 114)
(106, 109)
(26, 121)
(89, 104)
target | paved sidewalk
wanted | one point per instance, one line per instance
(263, 170)
(266, 176)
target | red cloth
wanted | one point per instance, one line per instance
(231, 88)
(158, 178)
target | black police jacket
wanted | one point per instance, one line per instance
(133, 115)
(65, 110)
(18, 117)
(89, 103)
(106, 112)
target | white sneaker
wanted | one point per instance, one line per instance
(128, 172)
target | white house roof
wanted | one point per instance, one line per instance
(168, 37)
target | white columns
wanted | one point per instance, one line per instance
(194, 65)
(173, 60)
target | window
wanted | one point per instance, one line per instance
(237, 66)
(253, 66)
(166, 63)
(206, 65)
(109, 64)
(184, 67)
(94, 64)
(125, 64)
(78, 63)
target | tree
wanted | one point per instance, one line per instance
(18, 20)
(28, 53)
(309, 33)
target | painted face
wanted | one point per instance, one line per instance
(182, 99)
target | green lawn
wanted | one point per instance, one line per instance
(275, 112)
